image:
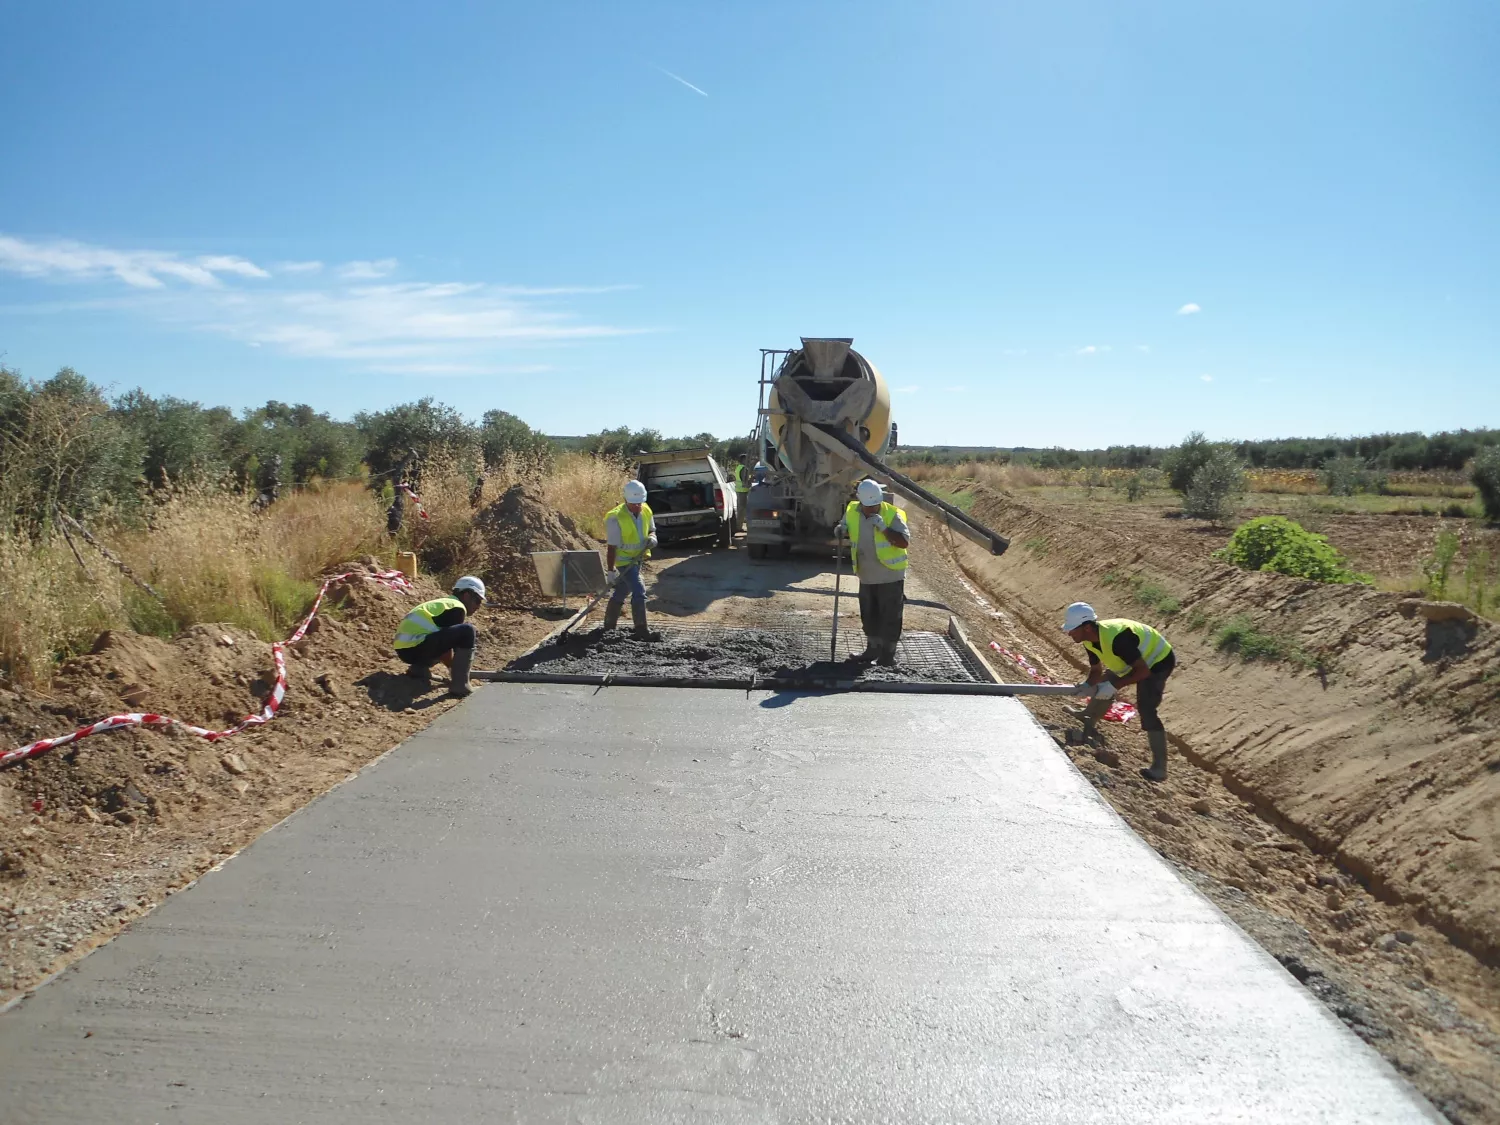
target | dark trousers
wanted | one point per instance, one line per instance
(880, 610)
(434, 645)
(1149, 691)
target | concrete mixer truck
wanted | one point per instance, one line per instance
(824, 424)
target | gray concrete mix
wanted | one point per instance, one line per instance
(632, 905)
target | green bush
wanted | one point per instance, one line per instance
(1282, 546)
(1345, 476)
(1216, 487)
(1240, 636)
(1485, 474)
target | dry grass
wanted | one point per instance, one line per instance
(584, 488)
(213, 558)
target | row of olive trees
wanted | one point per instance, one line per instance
(65, 446)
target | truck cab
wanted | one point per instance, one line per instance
(690, 494)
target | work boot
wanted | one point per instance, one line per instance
(887, 657)
(422, 673)
(1093, 713)
(871, 653)
(612, 615)
(638, 615)
(1158, 742)
(458, 673)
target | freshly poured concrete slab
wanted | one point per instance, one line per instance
(633, 905)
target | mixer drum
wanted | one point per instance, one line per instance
(829, 382)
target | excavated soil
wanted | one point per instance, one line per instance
(1342, 808)
(95, 833)
(739, 654)
(514, 526)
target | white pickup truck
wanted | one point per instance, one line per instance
(690, 495)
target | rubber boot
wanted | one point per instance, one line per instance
(1158, 742)
(871, 653)
(638, 615)
(458, 673)
(421, 673)
(612, 615)
(1093, 713)
(887, 657)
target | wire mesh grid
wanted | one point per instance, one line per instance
(932, 655)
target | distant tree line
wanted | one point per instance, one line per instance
(624, 443)
(1449, 450)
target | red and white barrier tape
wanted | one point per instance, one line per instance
(392, 578)
(1119, 711)
(415, 499)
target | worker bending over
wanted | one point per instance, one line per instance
(879, 537)
(439, 631)
(1121, 653)
(630, 533)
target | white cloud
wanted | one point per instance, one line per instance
(413, 328)
(1143, 347)
(957, 389)
(367, 271)
(1206, 378)
(64, 260)
(1189, 309)
(907, 390)
(1090, 349)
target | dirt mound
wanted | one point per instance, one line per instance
(93, 833)
(514, 526)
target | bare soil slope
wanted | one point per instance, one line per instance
(515, 525)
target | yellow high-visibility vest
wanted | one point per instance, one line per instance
(633, 547)
(891, 556)
(420, 623)
(1154, 646)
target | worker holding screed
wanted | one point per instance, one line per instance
(439, 630)
(879, 537)
(1124, 652)
(629, 533)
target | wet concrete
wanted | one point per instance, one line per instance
(739, 654)
(638, 905)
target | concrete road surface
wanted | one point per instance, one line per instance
(646, 905)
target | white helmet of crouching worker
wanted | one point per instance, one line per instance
(635, 492)
(471, 584)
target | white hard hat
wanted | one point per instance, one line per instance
(635, 492)
(470, 583)
(1079, 613)
(870, 492)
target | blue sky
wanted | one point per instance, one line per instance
(1062, 223)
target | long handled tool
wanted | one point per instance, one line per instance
(838, 574)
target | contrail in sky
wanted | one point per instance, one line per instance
(683, 80)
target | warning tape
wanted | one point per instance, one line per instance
(1119, 711)
(415, 499)
(392, 578)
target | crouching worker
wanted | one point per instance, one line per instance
(629, 533)
(439, 631)
(1121, 653)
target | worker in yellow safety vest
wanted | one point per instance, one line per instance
(629, 534)
(878, 538)
(741, 491)
(439, 630)
(1124, 652)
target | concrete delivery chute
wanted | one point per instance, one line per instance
(824, 422)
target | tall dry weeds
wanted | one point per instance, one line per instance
(584, 488)
(49, 608)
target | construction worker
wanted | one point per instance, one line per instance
(741, 491)
(439, 631)
(629, 534)
(1124, 652)
(878, 538)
